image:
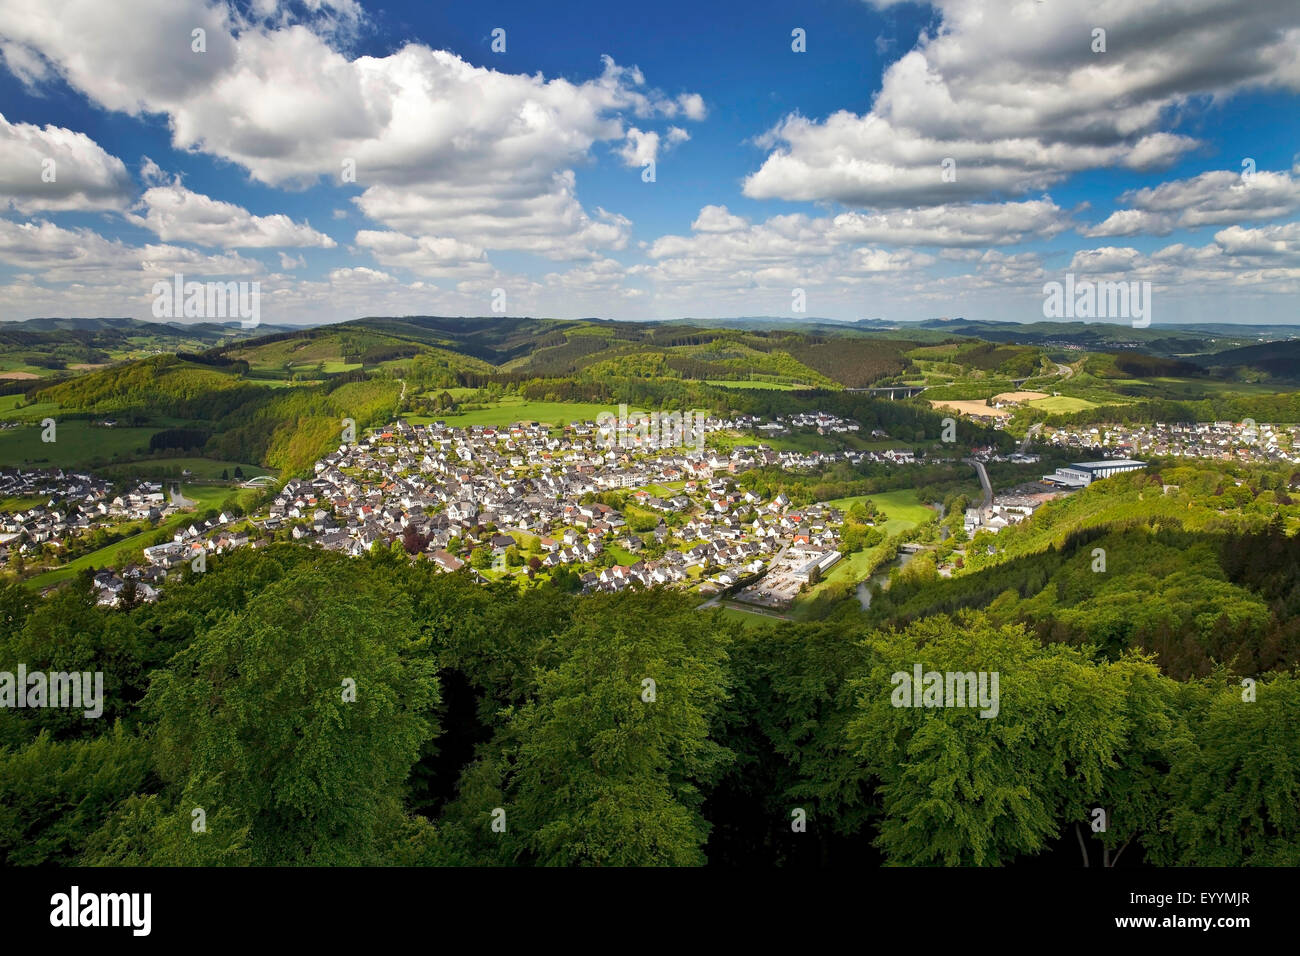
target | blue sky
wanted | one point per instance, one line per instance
(518, 178)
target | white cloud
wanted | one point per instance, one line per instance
(972, 224)
(1213, 198)
(692, 105)
(1019, 100)
(503, 213)
(424, 255)
(176, 214)
(425, 129)
(717, 219)
(1282, 242)
(642, 146)
(84, 256)
(53, 169)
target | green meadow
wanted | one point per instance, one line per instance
(511, 410)
(77, 443)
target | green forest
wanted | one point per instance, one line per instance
(291, 706)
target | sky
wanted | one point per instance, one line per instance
(840, 159)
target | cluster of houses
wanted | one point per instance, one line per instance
(1245, 441)
(195, 541)
(1005, 510)
(75, 504)
(132, 584)
(448, 491)
(452, 490)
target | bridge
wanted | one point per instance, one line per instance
(893, 391)
(261, 481)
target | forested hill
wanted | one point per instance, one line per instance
(491, 726)
(230, 415)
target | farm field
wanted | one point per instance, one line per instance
(9, 410)
(970, 407)
(1019, 396)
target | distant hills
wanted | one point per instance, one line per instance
(784, 351)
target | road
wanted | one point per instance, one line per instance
(1029, 436)
(984, 480)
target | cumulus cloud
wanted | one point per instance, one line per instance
(84, 256)
(424, 255)
(52, 169)
(1213, 198)
(969, 224)
(717, 219)
(1019, 100)
(176, 214)
(425, 132)
(642, 147)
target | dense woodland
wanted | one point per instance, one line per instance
(479, 704)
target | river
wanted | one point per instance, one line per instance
(881, 577)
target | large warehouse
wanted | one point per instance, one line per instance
(1084, 473)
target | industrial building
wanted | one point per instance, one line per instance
(1084, 473)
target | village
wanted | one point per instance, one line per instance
(528, 499)
(509, 500)
(524, 500)
(1244, 441)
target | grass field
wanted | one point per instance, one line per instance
(902, 508)
(10, 411)
(748, 619)
(10, 505)
(328, 367)
(1057, 404)
(621, 555)
(76, 444)
(511, 410)
(666, 491)
(208, 469)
